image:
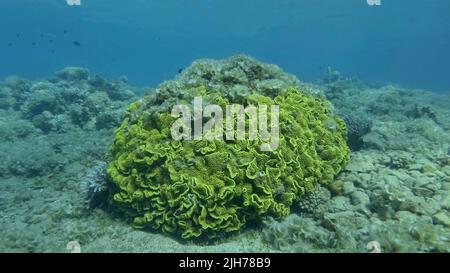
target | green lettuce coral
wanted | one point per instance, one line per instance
(207, 188)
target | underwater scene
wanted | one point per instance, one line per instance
(230, 126)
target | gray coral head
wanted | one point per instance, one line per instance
(358, 125)
(73, 74)
(94, 185)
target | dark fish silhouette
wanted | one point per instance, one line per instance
(76, 43)
(18, 35)
(33, 43)
(180, 70)
(65, 31)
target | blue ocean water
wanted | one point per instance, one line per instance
(401, 41)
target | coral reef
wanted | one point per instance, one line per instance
(74, 74)
(315, 201)
(6, 99)
(73, 98)
(48, 118)
(394, 191)
(358, 125)
(94, 185)
(206, 188)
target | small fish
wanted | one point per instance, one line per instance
(18, 35)
(33, 43)
(180, 70)
(65, 31)
(76, 43)
(48, 36)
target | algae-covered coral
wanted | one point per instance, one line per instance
(208, 188)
